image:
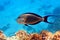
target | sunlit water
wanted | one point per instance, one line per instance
(11, 9)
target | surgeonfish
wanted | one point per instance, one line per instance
(31, 19)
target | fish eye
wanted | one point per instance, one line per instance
(19, 17)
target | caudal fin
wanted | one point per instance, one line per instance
(46, 19)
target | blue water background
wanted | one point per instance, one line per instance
(11, 9)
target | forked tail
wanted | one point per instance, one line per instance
(45, 19)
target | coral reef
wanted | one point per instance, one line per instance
(23, 35)
(2, 36)
(56, 36)
(45, 35)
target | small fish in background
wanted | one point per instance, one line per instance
(31, 19)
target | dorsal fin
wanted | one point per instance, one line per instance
(32, 14)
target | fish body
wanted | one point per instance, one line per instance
(31, 18)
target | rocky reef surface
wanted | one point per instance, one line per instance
(23, 35)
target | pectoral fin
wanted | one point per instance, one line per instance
(26, 25)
